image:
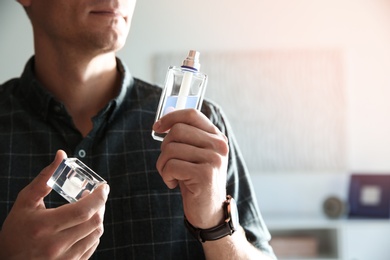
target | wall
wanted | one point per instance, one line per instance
(361, 28)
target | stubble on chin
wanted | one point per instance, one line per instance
(103, 42)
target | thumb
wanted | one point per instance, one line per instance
(38, 189)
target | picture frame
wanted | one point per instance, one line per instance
(369, 196)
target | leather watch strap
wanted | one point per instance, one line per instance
(209, 234)
(227, 227)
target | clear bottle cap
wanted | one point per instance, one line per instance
(73, 178)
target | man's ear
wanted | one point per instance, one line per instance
(25, 3)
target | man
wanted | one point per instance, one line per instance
(76, 98)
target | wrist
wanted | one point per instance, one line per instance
(226, 225)
(211, 220)
(206, 212)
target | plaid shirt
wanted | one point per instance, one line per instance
(143, 219)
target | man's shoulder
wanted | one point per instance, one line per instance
(9, 82)
(8, 87)
(145, 90)
(146, 86)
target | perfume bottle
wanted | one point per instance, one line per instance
(184, 88)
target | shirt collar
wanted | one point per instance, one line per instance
(42, 100)
(32, 90)
(127, 84)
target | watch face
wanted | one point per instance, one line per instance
(233, 212)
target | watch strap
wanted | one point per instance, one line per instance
(209, 234)
(217, 232)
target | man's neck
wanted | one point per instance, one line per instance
(84, 85)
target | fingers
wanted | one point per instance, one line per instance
(187, 134)
(34, 193)
(94, 224)
(179, 161)
(185, 116)
(89, 253)
(192, 127)
(81, 249)
(194, 149)
(86, 236)
(178, 171)
(73, 214)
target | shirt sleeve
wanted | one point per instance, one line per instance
(239, 185)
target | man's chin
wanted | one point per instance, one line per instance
(108, 44)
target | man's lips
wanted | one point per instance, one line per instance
(112, 13)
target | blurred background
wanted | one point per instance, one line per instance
(305, 85)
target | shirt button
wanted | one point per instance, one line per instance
(82, 153)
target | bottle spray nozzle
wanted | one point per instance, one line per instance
(192, 60)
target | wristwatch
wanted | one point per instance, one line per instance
(228, 227)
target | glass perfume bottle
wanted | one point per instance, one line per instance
(184, 88)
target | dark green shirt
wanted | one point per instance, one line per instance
(143, 219)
